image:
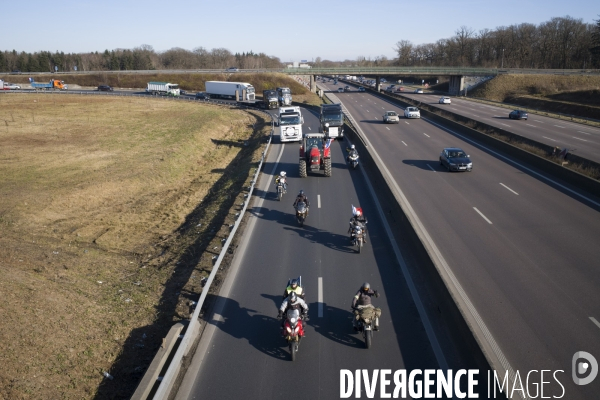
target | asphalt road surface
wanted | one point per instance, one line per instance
(242, 354)
(524, 246)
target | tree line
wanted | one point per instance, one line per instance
(139, 58)
(561, 43)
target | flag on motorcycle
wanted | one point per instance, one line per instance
(328, 143)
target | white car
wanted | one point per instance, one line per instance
(11, 86)
(445, 100)
(419, 91)
(412, 112)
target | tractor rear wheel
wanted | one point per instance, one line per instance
(302, 169)
(327, 163)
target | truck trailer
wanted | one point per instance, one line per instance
(290, 124)
(163, 89)
(53, 84)
(332, 121)
(241, 91)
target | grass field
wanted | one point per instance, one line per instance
(110, 212)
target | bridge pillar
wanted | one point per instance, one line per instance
(313, 85)
(456, 85)
(378, 83)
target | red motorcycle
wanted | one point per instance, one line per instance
(293, 330)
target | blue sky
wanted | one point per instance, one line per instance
(330, 29)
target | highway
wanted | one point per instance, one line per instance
(242, 354)
(524, 246)
(551, 131)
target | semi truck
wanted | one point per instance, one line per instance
(290, 124)
(53, 84)
(284, 95)
(163, 89)
(270, 99)
(332, 121)
(241, 91)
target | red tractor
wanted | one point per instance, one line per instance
(315, 154)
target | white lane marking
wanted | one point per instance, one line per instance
(595, 321)
(533, 126)
(309, 128)
(509, 160)
(585, 133)
(482, 216)
(387, 128)
(426, 134)
(383, 108)
(431, 168)
(537, 120)
(509, 188)
(406, 123)
(318, 201)
(545, 137)
(476, 116)
(320, 296)
(558, 126)
(503, 124)
(404, 143)
(435, 344)
(583, 140)
(497, 116)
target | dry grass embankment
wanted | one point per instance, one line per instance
(110, 212)
(572, 95)
(190, 81)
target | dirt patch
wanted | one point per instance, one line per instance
(111, 210)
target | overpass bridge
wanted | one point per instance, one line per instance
(456, 74)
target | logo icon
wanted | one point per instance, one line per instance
(580, 367)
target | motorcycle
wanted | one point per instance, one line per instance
(280, 189)
(358, 237)
(353, 160)
(293, 329)
(366, 324)
(301, 212)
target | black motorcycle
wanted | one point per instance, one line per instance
(301, 212)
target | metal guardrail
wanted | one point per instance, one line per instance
(190, 335)
(569, 117)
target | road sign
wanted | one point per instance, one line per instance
(55, 68)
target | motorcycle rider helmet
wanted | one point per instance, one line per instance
(352, 147)
(282, 174)
(301, 193)
(294, 283)
(365, 287)
(358, 213)
(293, 297)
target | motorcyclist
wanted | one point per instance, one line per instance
(358, 219)
(293, 302)
(351, 152)
(294, 287)
(362, 300)
(282, 177)
(301, 197)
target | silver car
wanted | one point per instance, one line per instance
(391, 117)
(412, 112)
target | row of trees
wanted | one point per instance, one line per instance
(140, 58)
(561, 43)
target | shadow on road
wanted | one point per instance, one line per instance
(263, 332)
(425, 164)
